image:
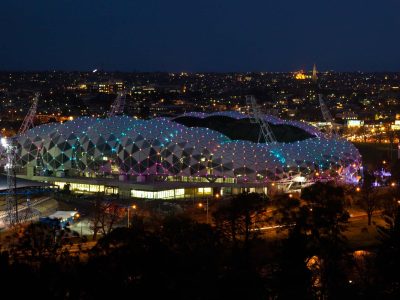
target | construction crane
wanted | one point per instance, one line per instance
(117, 108)
(256, 117)
(28, 121)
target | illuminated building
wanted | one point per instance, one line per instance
(396, 125)
(355, 123)
(301, 76)
(110, 87)
(163, 158)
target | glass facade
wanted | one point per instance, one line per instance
(167, 194)
(88, 188)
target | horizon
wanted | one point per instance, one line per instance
(198, 72)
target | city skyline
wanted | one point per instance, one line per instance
(222, 36)
(215, 149)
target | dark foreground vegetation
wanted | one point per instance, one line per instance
(176, 257)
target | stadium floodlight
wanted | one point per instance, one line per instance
(4, 142)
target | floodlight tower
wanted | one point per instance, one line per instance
(257, 118)
(10, 166)
(117, 108)
(327, 116)
(324, 108)
(28, 121)
(11, 199)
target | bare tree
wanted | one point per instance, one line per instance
(106, 215)
(95, 218)
(112, 213)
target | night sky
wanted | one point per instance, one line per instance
(201, 35)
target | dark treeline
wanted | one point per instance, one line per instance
(178, 258)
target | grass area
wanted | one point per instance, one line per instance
(362, 236)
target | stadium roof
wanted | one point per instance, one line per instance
(165, 147)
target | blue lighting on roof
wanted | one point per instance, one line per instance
(278, 155)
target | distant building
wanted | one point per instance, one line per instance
(355, 123)
(109, 87)
(347, 115)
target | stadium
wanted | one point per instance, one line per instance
(192, 155)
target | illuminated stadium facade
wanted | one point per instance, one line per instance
(191, 155)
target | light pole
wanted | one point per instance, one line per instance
(133, 207)
(207, 210)
(80, 221)
(200, 205)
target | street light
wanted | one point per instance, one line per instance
(200, 205)
(4, 142)
(133, 207)
(77, 216)
(207, 209)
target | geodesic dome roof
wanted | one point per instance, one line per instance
(162, 146)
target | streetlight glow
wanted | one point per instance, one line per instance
(4, 142)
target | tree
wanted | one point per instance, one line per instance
(369, 200)
(66, 189)
(395, 171)
(240, 217)
(388, 257)
(181, 259)
(106, 214)
(112, 214)
(96, 216)
(38, 242)
(197, 253)
(291, 269)
(324, 207)
(316, 224)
